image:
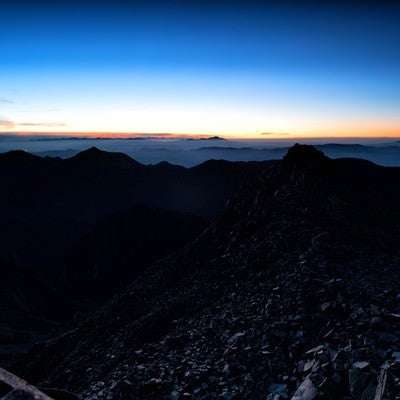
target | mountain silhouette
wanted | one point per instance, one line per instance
(292, 292)
(48, 204)
(19, 158)
(96, 158)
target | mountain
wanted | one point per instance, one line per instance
(48, 204)
(292, 292)
(17, 158)
(122, 246)
(213, 138)
(95, 158)
(387, 154)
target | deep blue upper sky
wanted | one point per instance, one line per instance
(212, 68)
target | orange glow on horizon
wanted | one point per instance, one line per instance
(292, 129)
(199, 122)
(355, 133)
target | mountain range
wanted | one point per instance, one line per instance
(190, 152)
(291, 292)
(48, 204)
(74, 232)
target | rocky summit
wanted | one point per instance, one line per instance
(292, 293)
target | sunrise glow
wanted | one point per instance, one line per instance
(249, 73)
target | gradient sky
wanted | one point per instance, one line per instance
(218, 68)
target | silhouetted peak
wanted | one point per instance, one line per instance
(20, 157)
(166, 165)
(95, 157)
(93, 153)
(302, 162)
(163, 164)
(93, 150)
(304, 154)
(212, 164)
(213, 138)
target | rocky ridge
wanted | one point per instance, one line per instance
(293, 292)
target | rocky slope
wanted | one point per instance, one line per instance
(293, 292)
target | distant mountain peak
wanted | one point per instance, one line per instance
(213, 138)
(302, 162)
(93, 150)
(96, 157)
(19, 157)
(304, 154)
(165, 164)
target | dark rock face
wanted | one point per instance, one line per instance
(33, 306)
(293, 292)
(122, 246)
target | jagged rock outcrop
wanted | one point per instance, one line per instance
(293, 292)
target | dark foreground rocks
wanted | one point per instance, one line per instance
(293, 293)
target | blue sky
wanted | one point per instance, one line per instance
(215, 68)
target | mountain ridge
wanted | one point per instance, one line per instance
(55, 201)
(290, 292)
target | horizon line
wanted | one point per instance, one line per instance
(166, 135)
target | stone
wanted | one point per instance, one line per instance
(306, 391)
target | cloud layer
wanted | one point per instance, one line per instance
(44, 124)
(6, 124)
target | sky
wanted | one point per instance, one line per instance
(223, 68)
